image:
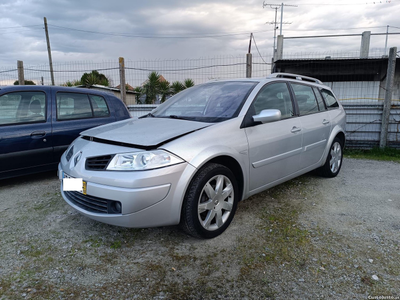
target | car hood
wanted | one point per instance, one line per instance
(144, 133)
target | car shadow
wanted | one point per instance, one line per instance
(30, 179)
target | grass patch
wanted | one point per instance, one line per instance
(385, 154)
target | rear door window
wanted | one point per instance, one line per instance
(72, 106)
(22, 107)
(321, 103)
(306, 99)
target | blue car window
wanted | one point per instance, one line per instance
(99, 106)
(71, 106)
(22, 107)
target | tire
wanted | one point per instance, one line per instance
(210, 202)
(334, 160)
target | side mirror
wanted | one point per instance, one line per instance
(268, 115)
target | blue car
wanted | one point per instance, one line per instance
(37, 123)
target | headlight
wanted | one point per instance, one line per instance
(143, 160)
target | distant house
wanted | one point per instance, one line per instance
(130, 94)
(129, 87)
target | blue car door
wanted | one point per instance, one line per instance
(75, 112)
(25, 131)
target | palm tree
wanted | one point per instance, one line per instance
(139, 90)
(177, 87)
(151, 87)
(94, 77)
(188, 83)
(164, 90)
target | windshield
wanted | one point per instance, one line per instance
(209, 102)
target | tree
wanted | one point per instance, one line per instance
(151, 87)
(27, 82)
(156, 85)
(94, 77)
(72, 83)
(165, 90)
(188, 83)
(177, 87)
(139, 90)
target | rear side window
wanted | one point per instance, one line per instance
(99, 106)
(305, 99)
(22, 107)
(330, 99)
(73, 106)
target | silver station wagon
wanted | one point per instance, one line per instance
(192, 159)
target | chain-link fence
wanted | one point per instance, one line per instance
(136, 72)
(358, 83)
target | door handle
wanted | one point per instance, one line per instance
(38, 134)
(295, 129)
(325, 122)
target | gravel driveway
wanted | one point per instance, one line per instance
(310, 238)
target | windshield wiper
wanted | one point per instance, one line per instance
(147, 116)
(179, 117)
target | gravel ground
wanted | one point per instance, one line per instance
(310, 238)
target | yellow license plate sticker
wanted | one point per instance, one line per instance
(84, 187)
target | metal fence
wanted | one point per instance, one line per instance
(136, 72)
(358, 83)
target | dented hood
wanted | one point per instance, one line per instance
(145, 133)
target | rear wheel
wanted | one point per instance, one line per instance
(334, 160)
(210, 202)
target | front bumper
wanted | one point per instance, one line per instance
(148, 198)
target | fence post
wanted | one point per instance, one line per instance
(249, 64)
(364, 49)
(122, 79)
(388, 96)
(20, 66)
(279, 48)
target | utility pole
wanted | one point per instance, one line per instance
(387, 33)
(49, 51)
(276, 6)
(249, 59)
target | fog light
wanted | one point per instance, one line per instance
(116, 207)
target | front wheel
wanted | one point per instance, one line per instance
(210, 202)
(334, 160)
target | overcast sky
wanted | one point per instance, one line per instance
(99, 30)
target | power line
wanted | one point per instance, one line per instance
(349, 4)
(150, 36)
(259, 50)
(26, 26)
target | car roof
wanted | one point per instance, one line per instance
(279, 76)
(13, 88)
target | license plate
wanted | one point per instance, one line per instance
(84, 183)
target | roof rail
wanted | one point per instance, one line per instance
(294, 76)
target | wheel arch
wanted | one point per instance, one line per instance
(339, 132)
(234, 166)
(227, 161)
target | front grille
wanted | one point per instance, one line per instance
(93, 204)
(98, 163)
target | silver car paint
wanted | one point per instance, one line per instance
(144, 132)
(208, 141)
